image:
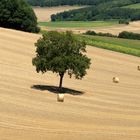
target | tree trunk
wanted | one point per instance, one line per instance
(61, 80)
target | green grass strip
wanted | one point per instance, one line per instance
(133, 6)
(78, 24)
(114, 44)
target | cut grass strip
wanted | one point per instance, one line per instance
(126, 46)
(78, 24)
(133, 6)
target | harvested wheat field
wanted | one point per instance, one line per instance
(44, 14)
(101, 110)
(132, 27)
(114, 29)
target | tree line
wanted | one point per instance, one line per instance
(124, 34)
(50, 3)
(97, 9)
(110, 9)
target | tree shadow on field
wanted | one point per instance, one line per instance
(55, 89)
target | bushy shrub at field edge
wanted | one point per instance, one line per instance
(99, 34)
(129, 35)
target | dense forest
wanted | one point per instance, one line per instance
(111, 9)
(17, 14)
(92, 14)
(106, 3)
(64, 2)
(97, 9)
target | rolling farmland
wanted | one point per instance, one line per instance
(43, 15)
(104, 27)
(103, 110)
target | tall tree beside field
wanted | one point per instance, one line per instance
(61, 53)
(17, 14)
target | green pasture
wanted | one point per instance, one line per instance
(126, 46)
(78, 24)
(133, 6)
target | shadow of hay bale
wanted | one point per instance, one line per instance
(138, 68)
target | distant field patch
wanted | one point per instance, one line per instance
(133, 6)
(127, 46)
(115, 44)
(78, 24)
(44, 13)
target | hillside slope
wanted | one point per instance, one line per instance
(105, 110)
(102, 10)
(44, 14)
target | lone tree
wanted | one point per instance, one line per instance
(17, 14)
(61, 53)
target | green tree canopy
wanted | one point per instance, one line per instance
(61, 53)
(101, 10)
(17, 14)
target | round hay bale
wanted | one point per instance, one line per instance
(116, 80)
(139, 68)
(60, 97)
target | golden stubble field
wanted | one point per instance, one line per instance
(132, 27)
(106, 111)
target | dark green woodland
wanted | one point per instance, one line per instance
(96, 10)
(108, 10)
(17, 14)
